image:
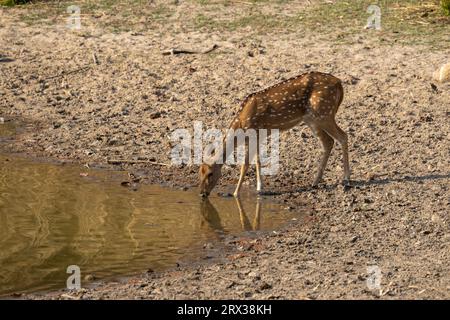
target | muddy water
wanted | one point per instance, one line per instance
(7, 130)
(53, 216)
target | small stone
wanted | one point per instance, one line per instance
(265, 286)
(208, 246)
(89, 277)
(125, 183)
(155, 115)
(224, 194)
(442, 74)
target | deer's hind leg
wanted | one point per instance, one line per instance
(332, 129)
(327, 144)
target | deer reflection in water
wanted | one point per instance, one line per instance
(212, 218)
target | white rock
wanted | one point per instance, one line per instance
(2, 120)
(443, 73)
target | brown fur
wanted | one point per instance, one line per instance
(313, 98)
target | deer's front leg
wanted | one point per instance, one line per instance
(244, 169)
(259, 186)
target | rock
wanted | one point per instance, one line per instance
(208, 245)
(442, 74)
(254, 275)
(89, 277)
(125, 183)
(433, 86)
(265, 286)
(155, 115)
(2, 120)
(224, 194)
(113, 142)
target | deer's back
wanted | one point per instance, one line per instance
(312, 95)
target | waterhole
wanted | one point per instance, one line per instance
(53, 216)
(7, 129)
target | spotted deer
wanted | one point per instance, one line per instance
(312, 98)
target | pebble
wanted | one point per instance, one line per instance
(155, 115)
(2, 120)
(265, 286)
(224, 194)
(89, 277)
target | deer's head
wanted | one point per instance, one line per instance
(209, 176)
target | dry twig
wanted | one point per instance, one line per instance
(185, 51)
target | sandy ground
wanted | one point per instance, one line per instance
(395, 217)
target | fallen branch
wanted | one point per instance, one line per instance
(185, 51)
(119, 161)
(94, 57)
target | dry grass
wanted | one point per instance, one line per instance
(406, 22)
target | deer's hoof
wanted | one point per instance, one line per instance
(346, 184)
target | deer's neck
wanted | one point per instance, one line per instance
(228, 141)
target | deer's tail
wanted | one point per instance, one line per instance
(339, 94)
